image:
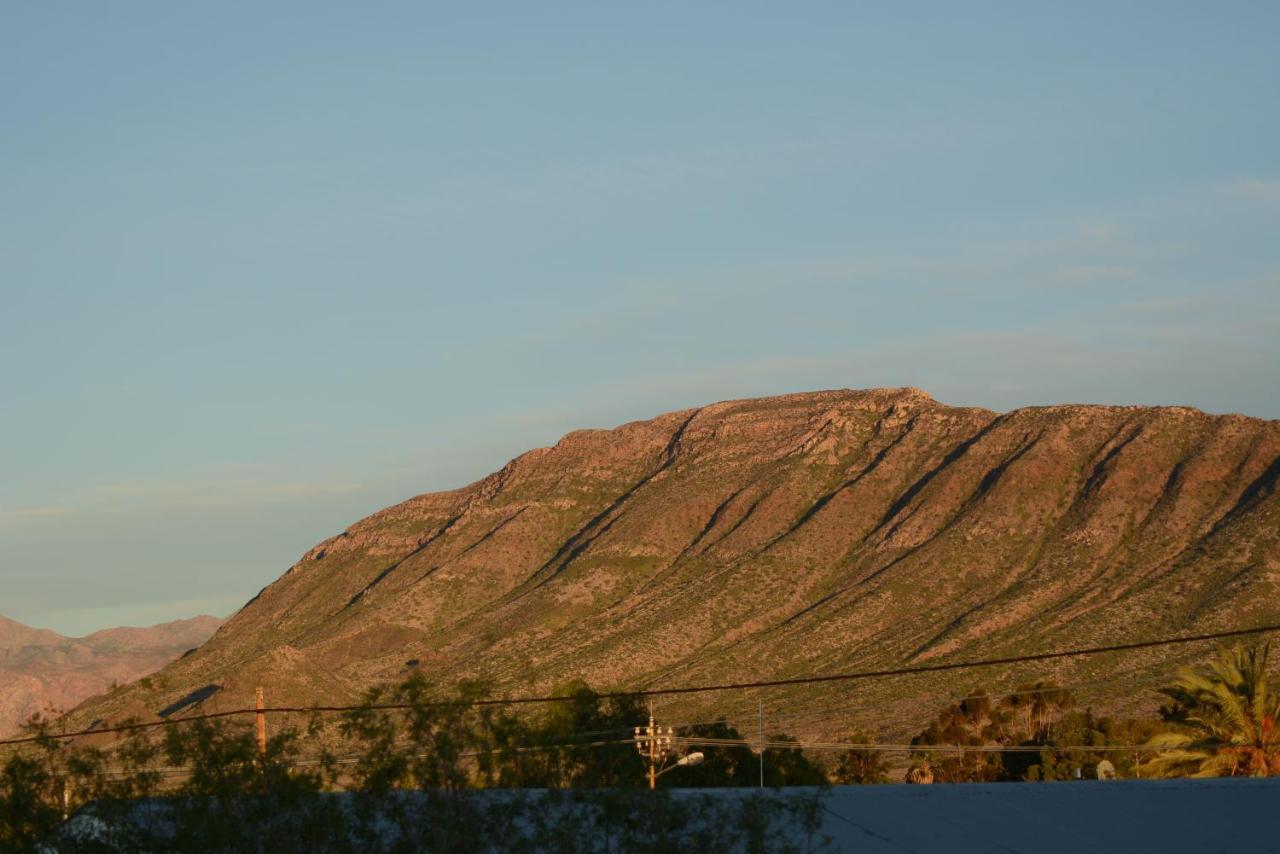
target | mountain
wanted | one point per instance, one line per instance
(757, 539)
(15, 634)
(41, 669)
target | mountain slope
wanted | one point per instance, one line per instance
(768, 538)
(41, 669)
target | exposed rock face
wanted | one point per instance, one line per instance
(770, 538)
(40, 669)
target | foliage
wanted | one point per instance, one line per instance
(1225, 718)
(43, 784)
(733, 765)
(225, 798)
(584, 743)
(860, 766)
(1031, 734)
(412, 785)
(1034, 707)
(569, 778)
(789, 766)
(976, 722)
(967, 735)
(28, 812)
(1061, 756)
(233, 799)
(598, 820)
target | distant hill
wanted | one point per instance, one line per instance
(41, 669)
(772, 538)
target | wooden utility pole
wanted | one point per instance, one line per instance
(653, 757)
(760, 700)
(654, 743)
(262, 725)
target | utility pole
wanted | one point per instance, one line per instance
(760, 701)
(653, 756)
(654, 743)
(262, 725)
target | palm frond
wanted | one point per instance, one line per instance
(1228, 713)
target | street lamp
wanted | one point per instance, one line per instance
(685, 761)
(654, 744)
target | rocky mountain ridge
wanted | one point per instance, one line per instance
(756, 539)
(41, 669)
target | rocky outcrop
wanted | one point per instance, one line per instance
(768, 538)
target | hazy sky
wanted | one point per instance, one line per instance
(265, 268)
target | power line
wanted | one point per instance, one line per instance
(812, 680)
(355, 758)
(917, 748)
(659, 692)
(935, 668)
(780, 713)
(787, 711)
(937, 749)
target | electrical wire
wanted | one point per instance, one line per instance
(658, 692)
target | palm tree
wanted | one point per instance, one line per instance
(920, 773)
(1228, 717)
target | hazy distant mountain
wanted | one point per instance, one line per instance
(40, 669)
(771, 538)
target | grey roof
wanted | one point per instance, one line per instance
(1216, 815)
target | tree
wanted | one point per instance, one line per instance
(788, 766)
(572, 732)
(1071, 746)
(974, 722)
(1036, 706)
(968, 736)
(730, 763)
(27, 810)
(920, 773)
(51, 778)
(861, 765)
(1225, 716)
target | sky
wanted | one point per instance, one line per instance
(266, 268)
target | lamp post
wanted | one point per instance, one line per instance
(685, 761)
(654, 744)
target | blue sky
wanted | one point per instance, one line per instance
(266, 268)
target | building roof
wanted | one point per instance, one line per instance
(1216, 815)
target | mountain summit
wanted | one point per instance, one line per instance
(804, 534)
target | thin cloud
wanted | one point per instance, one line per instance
(201, 493)
(1096, 273)
(1258, 190)
(35, 512)
(211, 492)
(1168, 306)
